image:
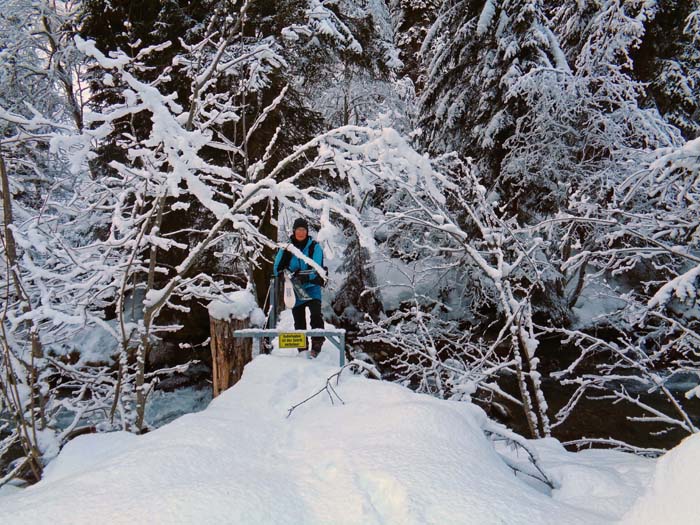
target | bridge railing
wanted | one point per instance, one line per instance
(335, 335)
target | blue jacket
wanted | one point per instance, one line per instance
(314, 290)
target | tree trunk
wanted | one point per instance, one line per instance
(145, 344)
(229, 355)
(29, 435)
(263, 271)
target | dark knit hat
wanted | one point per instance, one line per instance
(300, 223)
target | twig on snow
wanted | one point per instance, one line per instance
(328, 388)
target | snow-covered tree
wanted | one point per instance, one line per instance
(658, 42)
(652, 238)
(584, 133)
(584, 125)
(412, 20)
(477, 51)
(668, 59)
(355, 80)
(44, 274)
(493, 267)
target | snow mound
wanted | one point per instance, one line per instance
(606, 482)
(239, 305)
(672, 496)
(387, 455)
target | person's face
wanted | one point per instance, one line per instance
(300, 234)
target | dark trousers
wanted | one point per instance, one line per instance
(299, 313)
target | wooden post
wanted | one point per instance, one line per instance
(228, 354)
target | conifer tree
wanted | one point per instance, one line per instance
(412, 20)
(668, 61)
(468, 104)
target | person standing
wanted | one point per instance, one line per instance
(306, 277)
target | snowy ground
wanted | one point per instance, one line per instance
(387, 456)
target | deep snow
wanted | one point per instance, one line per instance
(672, 496)
(386, 456)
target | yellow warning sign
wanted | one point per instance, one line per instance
(292, 340)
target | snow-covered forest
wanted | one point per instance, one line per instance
(507, 195)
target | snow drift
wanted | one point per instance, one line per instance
(387, 455)
(672, 496)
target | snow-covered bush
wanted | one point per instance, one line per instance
(652, 235)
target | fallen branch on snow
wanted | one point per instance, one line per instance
(511, 438)
(328, 388)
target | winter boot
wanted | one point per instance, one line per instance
(316, 344)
